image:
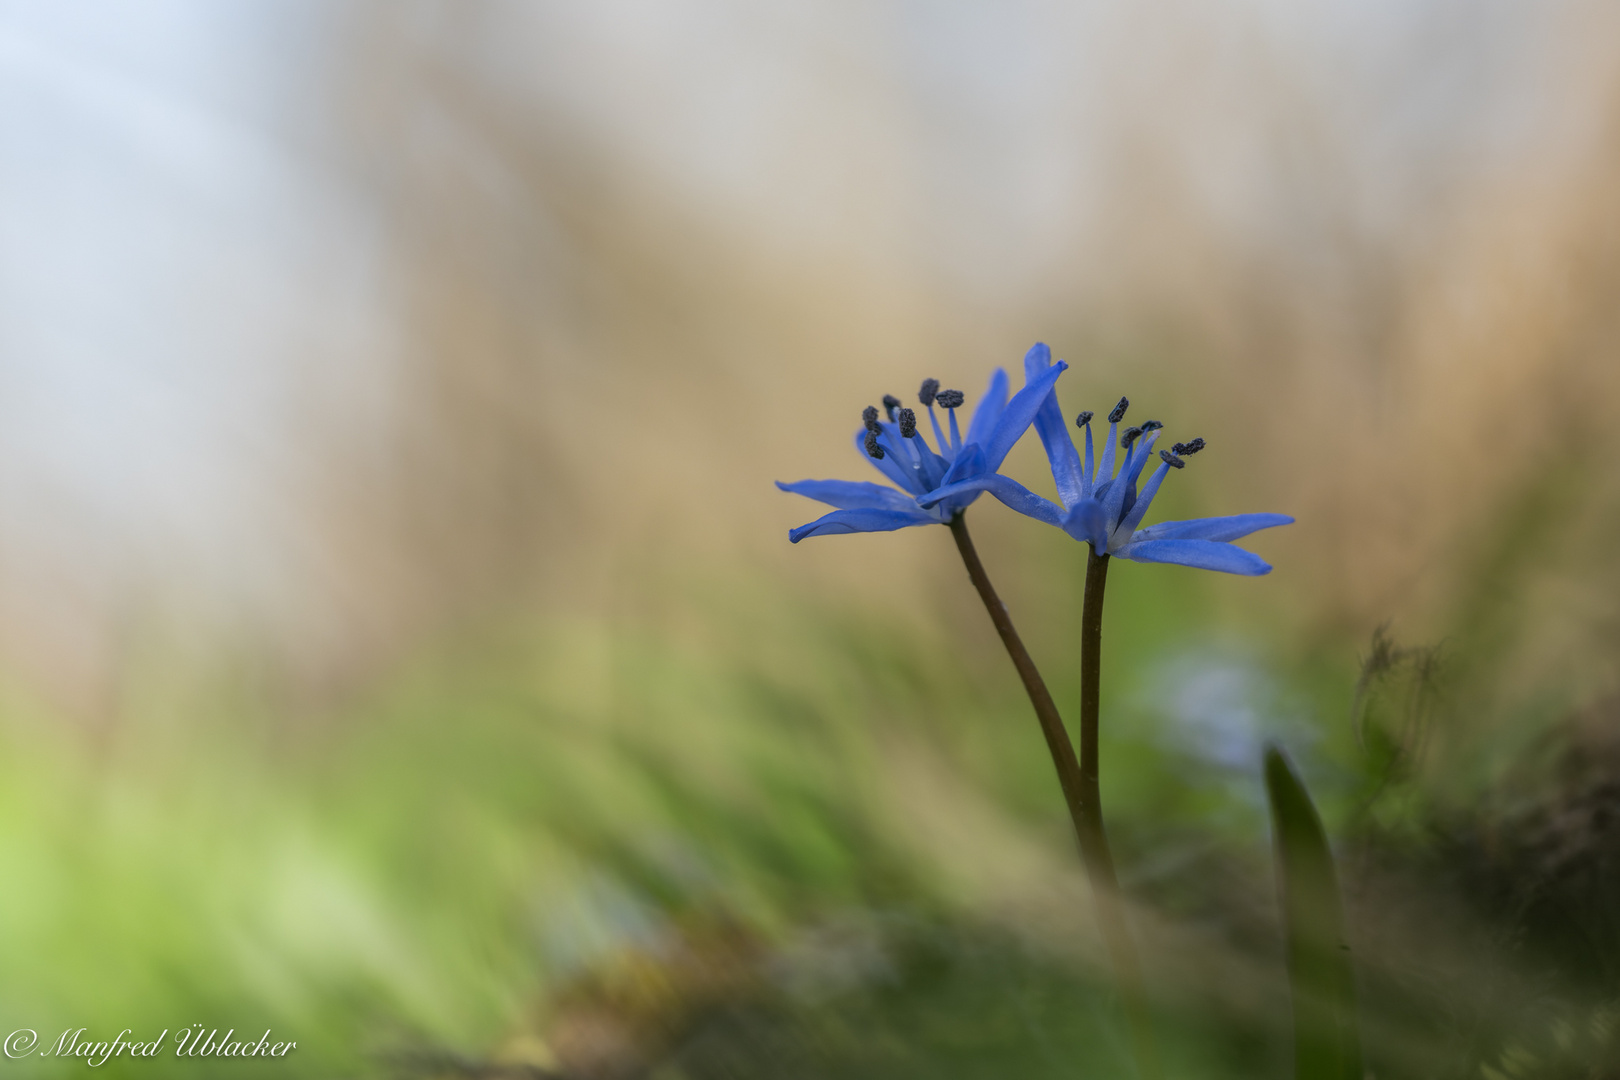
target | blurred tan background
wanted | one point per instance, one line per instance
(398, 628)
(323, 327)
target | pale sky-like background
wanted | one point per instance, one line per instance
(218, 224)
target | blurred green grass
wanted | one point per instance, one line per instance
(631, 837)
(512, 809)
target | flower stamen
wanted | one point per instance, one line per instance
(951, 400)
(927, 395)
(1084, 418)
(890, 403)
(1119, 411)
(1188, 449)
(1172, 460)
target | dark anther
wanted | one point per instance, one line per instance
(1128, 436)
(930, 387)
(1151, 425)
(869, 418)
(951, 399)
(872, 446)
(1083, 419)
(908, 423)
(1171, 460)
(890, 403)
(1119, 411)
(1188, 449)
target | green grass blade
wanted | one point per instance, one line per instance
(1327, 1042)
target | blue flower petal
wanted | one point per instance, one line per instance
(1072, 483)
(989, 409)
(1087, 472)
(1086, 522)
(913, 455)
(1005, 488)
(934, 466)
(1019, 414)
(1133, 517)
(1114, 499)
(1215, 528)
(1129, 471)
(858, 521)
(1037, 360)
(1143, 451)
(891, 466)
(946, 451)
(850, 494)
(1105, 467)
(970, 462)
(1200, 554)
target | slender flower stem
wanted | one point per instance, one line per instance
(1078, 777)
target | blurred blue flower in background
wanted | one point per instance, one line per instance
(898, 450)
(1103, 507)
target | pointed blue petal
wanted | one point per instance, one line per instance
(1071, 481)
(1019, 414)
(1086, 473)
(946, 451)
(1005, 488)
(1037, 360)
(989, 409)
(901, 473)
(1131, 469)
(1113, 500)
(933, 466)
(850, 494)
(1085, 522)
(969, 463)
(913, 455)
(1105, 467)
(1200, 554)
(1144, 453)
(1216, 528)
(856, 521)
(1133, 517)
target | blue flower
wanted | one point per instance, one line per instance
(1104, 507)
(898, 450)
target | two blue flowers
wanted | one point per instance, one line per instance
(1103, 498)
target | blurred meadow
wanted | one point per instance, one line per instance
(401, 647)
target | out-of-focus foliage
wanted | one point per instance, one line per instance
(1321, 971)
(403, 650)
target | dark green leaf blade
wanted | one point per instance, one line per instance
(1327, 1042)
